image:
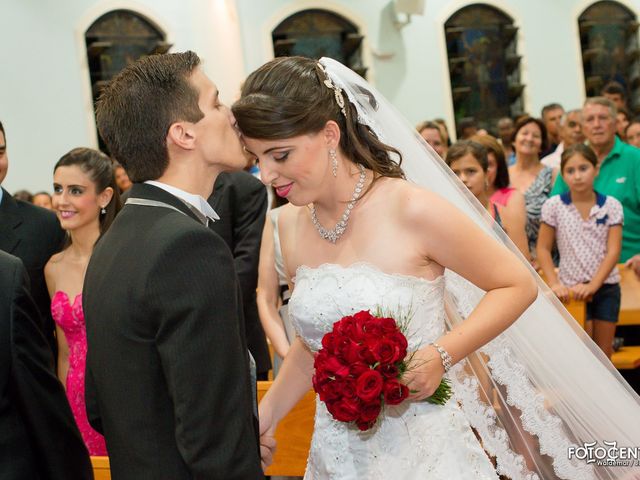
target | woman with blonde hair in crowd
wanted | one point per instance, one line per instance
(508, 200)
(86, 201)
(434, 136)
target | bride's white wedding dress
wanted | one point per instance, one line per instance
(414, 440)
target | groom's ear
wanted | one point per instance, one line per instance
(331, 134)
(182, 135)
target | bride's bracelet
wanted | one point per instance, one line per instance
(444, 356)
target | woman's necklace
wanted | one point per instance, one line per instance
(334, 234)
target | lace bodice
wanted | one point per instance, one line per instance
(412, 441)
(325, 294)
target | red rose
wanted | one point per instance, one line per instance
(320, 381)
(395, 392)
(338, 389)
(320, 360)
(388, 370)
(349, 351)
(401, 342)
(388, 325)
(369, 385)
(335, 367)
(366, 355)
(363, 316)
(371, 343)
(362, 320)
(358, 368)
(344, 410)
(328, 341)
(370, 411)
(347, 389)
(373, 328)
(368, 415)
(344, 326)
(386, 351)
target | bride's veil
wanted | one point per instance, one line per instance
(541, 390)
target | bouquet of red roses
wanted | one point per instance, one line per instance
(358, 368)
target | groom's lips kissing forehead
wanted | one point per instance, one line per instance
(283, 190)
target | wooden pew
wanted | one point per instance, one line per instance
(101, 470)
(627, 358)
(630, 304)
(293, 436)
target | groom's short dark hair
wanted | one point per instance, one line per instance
(136, 109)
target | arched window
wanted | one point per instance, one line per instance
(609, 42)
(115, 40)
(319, 33)
(484, 65)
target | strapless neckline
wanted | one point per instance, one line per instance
(62, 293)
(367, 267)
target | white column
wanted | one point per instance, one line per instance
(219, 44)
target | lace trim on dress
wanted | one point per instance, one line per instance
(521, 393)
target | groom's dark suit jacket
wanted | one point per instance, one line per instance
(32, 234)
(167, 365)
(38, 436)
(240, 199)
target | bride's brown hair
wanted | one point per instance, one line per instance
(287, 97)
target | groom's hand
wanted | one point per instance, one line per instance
(267, 450)
(267, 439)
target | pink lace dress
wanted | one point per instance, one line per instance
(70, 318)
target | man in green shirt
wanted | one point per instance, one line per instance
(619, 165)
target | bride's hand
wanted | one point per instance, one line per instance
(424, 373)
(267, 437)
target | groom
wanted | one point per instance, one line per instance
(167, 377)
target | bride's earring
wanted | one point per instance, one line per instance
(334, 162)
(103, 211)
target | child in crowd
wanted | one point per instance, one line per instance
(469, 161)
(587, 227)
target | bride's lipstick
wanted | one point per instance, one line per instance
(284, 190)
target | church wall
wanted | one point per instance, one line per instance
(45, 99)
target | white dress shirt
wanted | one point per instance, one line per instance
(194, 200)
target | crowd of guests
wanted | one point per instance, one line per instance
(565, 188)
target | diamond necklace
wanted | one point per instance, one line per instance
(334, 234)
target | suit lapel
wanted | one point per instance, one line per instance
(10, 221)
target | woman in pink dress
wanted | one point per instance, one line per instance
(85, 199)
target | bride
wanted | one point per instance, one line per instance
(365, 238)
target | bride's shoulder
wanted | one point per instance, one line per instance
(290, 213)
(289, 216)
(408, 200)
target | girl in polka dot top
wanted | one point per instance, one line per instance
(587, 227)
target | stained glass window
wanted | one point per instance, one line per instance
(319, 33)
(484, 65)
(609, 42)
(115, 40)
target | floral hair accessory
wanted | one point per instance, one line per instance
(337, 91)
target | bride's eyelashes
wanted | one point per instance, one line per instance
(281, 156)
